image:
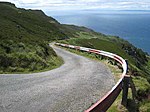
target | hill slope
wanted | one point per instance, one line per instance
(24, 36)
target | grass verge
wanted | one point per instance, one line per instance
(53, 63)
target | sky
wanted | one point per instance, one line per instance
(83, 4)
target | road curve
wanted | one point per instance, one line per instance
(73, 87)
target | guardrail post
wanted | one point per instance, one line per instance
(125, 90)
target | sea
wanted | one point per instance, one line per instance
(130, 25)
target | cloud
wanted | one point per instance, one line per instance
(83, 4)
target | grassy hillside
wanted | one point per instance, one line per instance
(24, 36)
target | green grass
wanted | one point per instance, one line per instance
(26, 58)
(54, 62)
(142, 87)
(145, 106)
(25, 35)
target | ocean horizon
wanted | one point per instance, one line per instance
(130, 25)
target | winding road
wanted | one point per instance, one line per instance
(73, 87)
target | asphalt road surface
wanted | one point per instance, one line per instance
(73, 87)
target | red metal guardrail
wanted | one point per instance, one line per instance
(106, 101)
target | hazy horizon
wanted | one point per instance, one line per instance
(46, 5)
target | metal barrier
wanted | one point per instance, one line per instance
(106, 101)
